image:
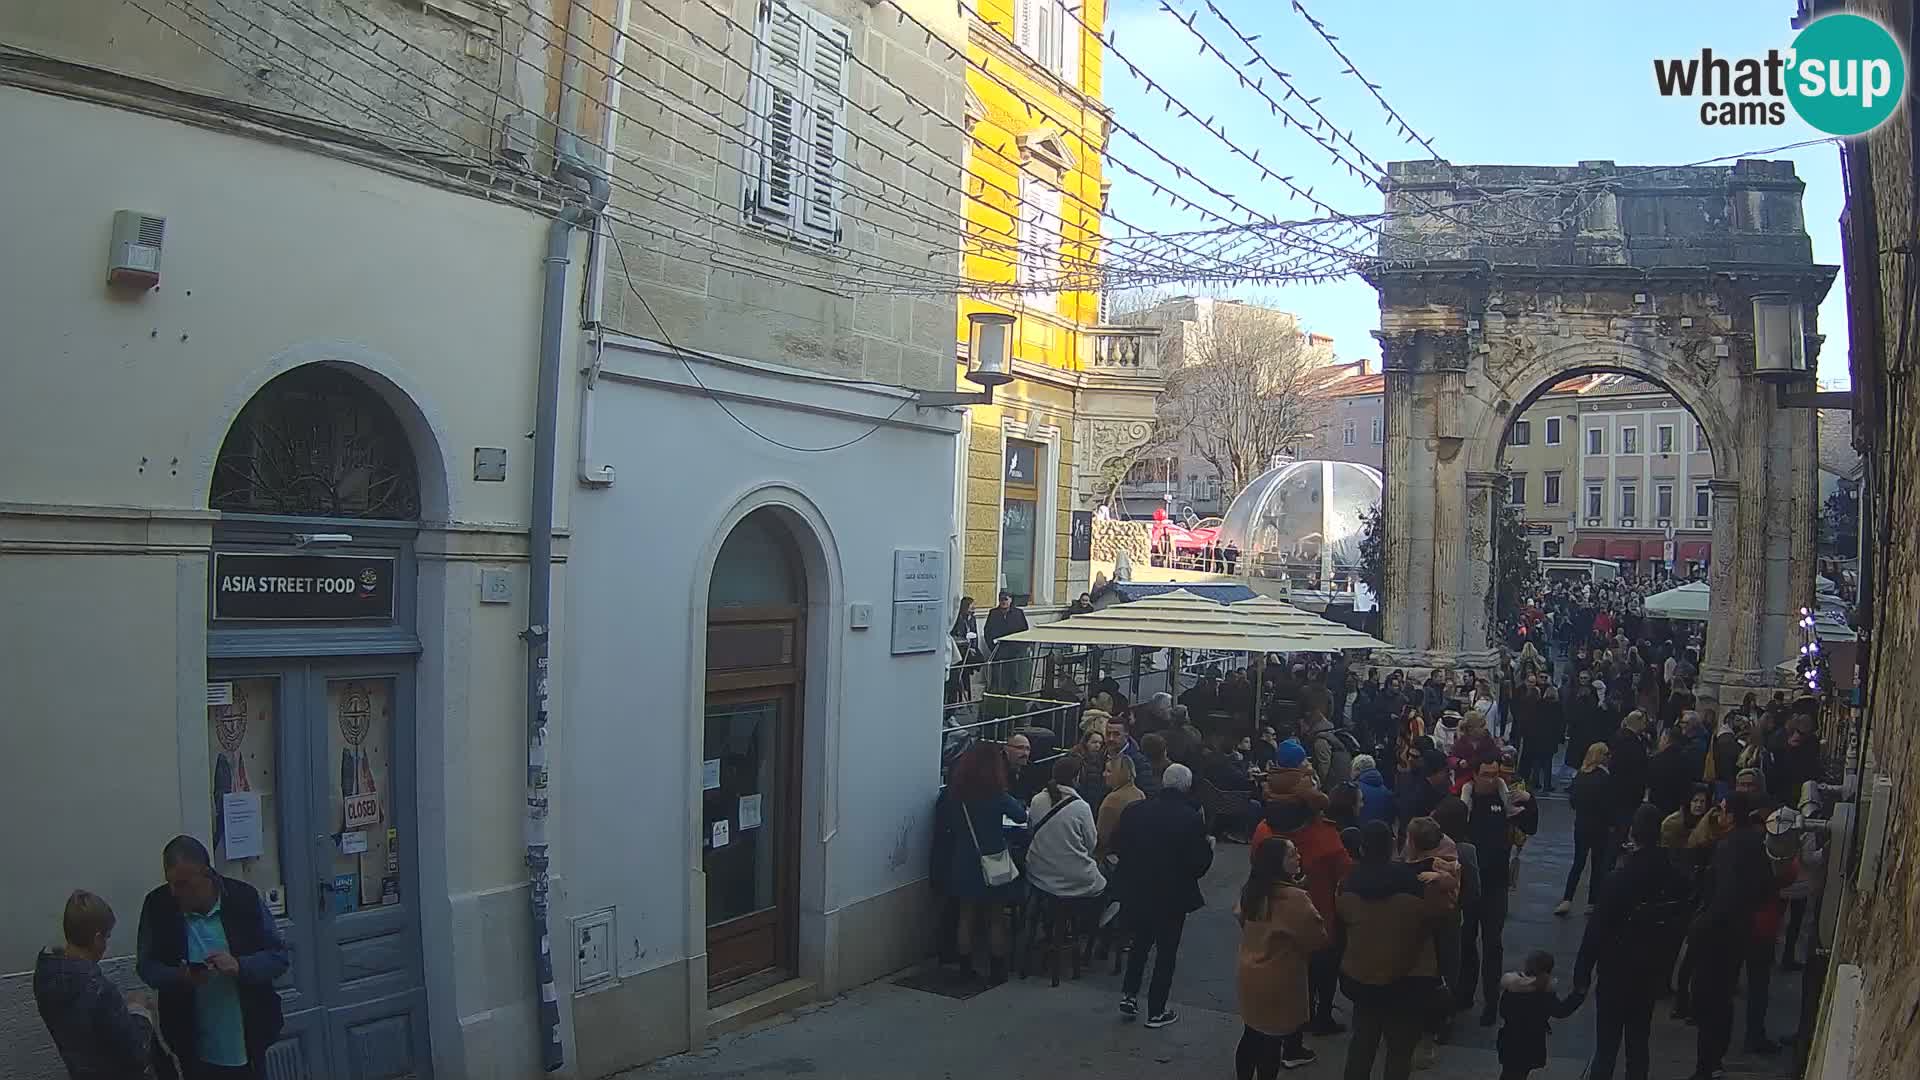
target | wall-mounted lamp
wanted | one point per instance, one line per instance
(1780, 353)
(989, 361)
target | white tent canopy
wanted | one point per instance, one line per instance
(1183, 620)
(1688, 602)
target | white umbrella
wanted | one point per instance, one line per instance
(1688, 602)
(1182, 620)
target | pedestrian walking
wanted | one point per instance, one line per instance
(1632, 939)
(1325, 864)
(1493, 812)
(1389, 919)
(1280, 931)
(1739, 881)
(1164, 851)
(210, 948)
(100, 1032)
(1592, 799)
(1528, 1007)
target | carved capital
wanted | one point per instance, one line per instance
(1478, 481)
(1423, 350)
(1724, 489)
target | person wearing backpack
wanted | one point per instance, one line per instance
(1332, 750)
(1633, 937)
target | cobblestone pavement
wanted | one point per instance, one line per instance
(1026, 1030)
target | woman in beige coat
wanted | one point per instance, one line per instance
(1279, 931)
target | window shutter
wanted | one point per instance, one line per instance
(1026, 235)
(1026, 29)
(827, 50)
(1040, 242)
(779, 92)
(1070, 38)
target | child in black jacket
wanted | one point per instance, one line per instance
(1528, 1006)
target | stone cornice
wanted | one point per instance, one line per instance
(1381, 273)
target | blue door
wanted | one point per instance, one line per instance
(320, 753)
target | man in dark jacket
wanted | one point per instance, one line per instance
(1386, 926)
(1633, 937)
(1630, 759)
(1422, 789)
(1546, 730)
(1004, 619)
(210, 947)
(1490, 821)
(100, 1032)
(1164, 851)
(1738, 882)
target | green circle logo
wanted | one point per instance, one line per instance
(1848, 75)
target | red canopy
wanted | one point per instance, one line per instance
(1627, 550)
(1693, 550)
(1589, 549)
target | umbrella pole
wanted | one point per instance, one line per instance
(1259, 684)
(1173, 672)
(1134, 692)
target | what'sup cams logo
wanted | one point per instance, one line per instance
(1844, 75)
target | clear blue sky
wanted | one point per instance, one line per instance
(1495, 82)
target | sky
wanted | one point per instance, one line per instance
(1495, 82)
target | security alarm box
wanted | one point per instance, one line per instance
(134, 260)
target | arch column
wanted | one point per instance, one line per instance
(1402, 630)
(1485, 491)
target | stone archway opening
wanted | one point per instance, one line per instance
(1536, 272)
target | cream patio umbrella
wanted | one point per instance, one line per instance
(1182, 620)
(1687, 603)
(1286, 615)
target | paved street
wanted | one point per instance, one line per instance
(1027, 1030)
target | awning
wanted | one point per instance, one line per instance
(1589, 549)
(1692, 550)
(1627, 550)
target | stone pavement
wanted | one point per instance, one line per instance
(1026, 1030)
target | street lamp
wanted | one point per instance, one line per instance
(1779, 336)
(989, 361)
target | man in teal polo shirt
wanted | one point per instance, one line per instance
(211, 949)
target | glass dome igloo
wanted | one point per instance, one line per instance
(1302, 520)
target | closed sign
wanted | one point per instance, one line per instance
(362, 811)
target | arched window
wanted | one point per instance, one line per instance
(758, 566)
(317, 441)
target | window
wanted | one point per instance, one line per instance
(1346, 433)
(1553, 431)
(1596, 440)
(317, 441)
(1379, 431)
(1517, 489)
(1702, 502)
(1019, 519)
(1663, 502)
(1663, 439)
(1522, 433)
(1596, 500)
(798, 122)
(1699, 437)
(1629, 503)
(1629, 440)
(1040, 241)
(1550, 488)
(1049, 32)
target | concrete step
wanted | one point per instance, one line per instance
(742, 1013)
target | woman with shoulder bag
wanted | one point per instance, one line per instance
(981, 874)
(1280, 931)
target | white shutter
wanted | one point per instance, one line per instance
(1026, 29)
(1026, 235)
(779, 92)
(1039, 237)
(826, 131)
(1070, 38)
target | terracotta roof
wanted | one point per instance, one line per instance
(1358, 386)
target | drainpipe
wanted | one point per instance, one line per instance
(553, 315)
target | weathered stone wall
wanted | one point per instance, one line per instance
(1882, 934)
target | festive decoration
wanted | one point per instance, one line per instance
(1813, 662)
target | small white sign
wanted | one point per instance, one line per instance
(917, 626)
(710, 775)
(219, 693)
(353, 843)
(240, 822)
(919, 574)
(360, 811)
(749, 812)
(721, 836)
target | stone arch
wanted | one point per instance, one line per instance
(1519, 388)
(402, 395)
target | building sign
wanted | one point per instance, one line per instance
(1080, 545)
(302, 587)
(917, 626)
(1022, 468)
(1539, 530)
(919, 574)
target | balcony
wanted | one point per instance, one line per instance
(1125, 350)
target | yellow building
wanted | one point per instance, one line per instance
(1083, 393)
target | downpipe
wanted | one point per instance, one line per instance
(540, 582)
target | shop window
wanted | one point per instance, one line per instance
(317, 441)
(242, 722)
(1019, 519)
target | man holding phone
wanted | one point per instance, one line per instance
(211, 949)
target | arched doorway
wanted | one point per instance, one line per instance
(752, 743)
(311, 719)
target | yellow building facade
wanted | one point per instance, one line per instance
(1083, 393)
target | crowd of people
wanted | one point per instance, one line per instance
(1387, 818)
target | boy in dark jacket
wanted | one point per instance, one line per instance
(1529, 1006)
(101, 1033)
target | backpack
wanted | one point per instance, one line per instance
(1342, 749)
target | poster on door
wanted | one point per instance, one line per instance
(242, 717)
(360, 745)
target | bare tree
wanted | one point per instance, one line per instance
(1246, 388)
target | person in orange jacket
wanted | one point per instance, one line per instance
(1326, 862)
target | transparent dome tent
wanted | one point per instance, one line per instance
(1302, 521)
